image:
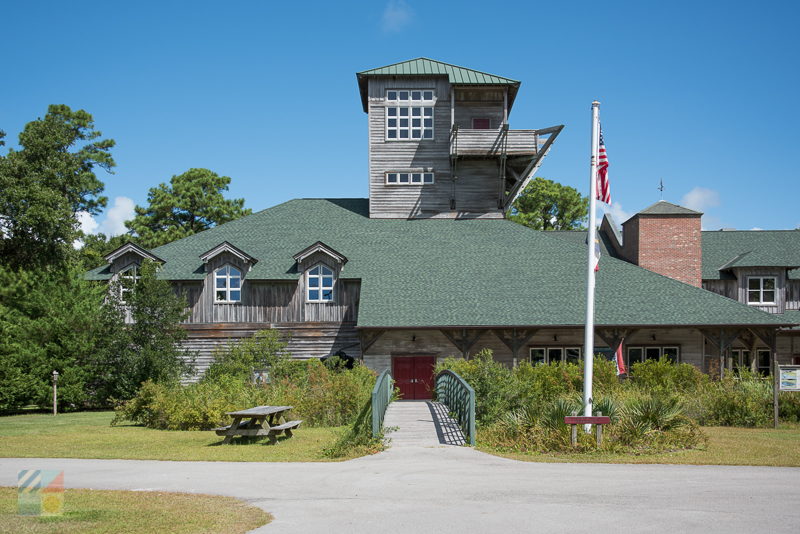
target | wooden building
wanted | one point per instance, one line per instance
(428, 266)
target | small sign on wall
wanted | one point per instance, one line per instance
(789, 379)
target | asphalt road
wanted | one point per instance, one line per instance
(440, 488)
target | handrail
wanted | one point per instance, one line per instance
(459, 397)
(381, 396)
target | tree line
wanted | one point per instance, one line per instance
(51, 317)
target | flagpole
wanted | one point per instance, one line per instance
(588, 340)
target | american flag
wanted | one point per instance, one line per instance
(603, 187)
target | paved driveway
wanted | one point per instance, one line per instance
(440, 488)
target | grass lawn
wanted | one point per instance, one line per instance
(131, 512)
(89, 435)
(726, 446)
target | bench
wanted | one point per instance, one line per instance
(286, 428)
(598, 420)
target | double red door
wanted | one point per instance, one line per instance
(413, 376)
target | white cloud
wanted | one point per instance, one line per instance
(87, 223)
(755, 228)
(700, 199)
(121, 211)
(617, 213)
(396, 16)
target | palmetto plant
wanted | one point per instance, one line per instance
(656, 413)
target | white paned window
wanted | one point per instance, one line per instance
(761, 290)
(228, 284)
(640, 354)
(409, 114)
(409, 178)
(319, 284)
(128, 279)
(545, 355)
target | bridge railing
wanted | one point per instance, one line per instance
(459, 397)
(381, 397)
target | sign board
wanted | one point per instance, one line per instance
(789, 379)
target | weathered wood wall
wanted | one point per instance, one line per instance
(268, 301)
(433, 343)
(476, 190)
(726, 288)
(780, 286)
(308, 340)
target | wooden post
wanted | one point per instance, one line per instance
(599, 429)
(574, 436)
(775, 388)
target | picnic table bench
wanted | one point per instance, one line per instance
(266, 421)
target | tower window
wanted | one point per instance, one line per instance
(409, 114)
(409, 178)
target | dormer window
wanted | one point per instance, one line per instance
(409, 114)
(128, 279)
(761, 289)
(319, 284)
(228, 284)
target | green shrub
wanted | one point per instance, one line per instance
(261, 351)
(493, 382)
(666, 376)
(745, 401)
(320, 397)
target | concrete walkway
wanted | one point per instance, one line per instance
(424, 485)
(421, 424)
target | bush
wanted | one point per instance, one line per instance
(665, 376)
(745, 401)
(494, 384)
(320, 397)
(261, 351)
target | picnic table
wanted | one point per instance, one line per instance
(260, 421)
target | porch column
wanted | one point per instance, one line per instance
(721, 338)
(770, 338)
(515, 339)
(463, 339)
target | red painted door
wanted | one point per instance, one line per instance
(413, 376)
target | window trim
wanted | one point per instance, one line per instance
(420, 103)
(761, 290)
(644, 348)
(410, 179)
(122, 275)
(547, 348)
(321, 288)
(227, 277)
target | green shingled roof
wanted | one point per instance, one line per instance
(445, 272)
(727, 249)
(423, 66)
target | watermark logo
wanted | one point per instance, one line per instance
(40, 492)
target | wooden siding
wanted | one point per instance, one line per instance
(310, 340)
(269, 301)
(476, 192)
(726, 288)
(434, 343)
(793, 294)
(780, 286)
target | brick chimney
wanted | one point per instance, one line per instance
(665, 238)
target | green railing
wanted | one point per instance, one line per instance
(459, 397)
(381, 397)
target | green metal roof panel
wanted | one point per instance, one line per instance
(427, 67)
(444, 272)
(727, 249)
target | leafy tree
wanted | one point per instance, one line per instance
(49, 320)
(45, 183)
(97, 246)
(149, 347)
(190, 203)
(548, 205)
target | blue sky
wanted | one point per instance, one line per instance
(699, 94)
